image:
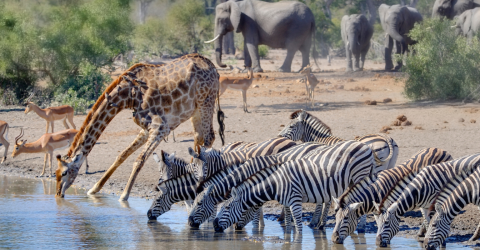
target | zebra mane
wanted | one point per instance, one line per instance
(201, 185)
(310, 118)
(342, 198)
(401, 178)
(242, 184)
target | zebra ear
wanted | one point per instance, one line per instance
(336, 201)
(302, 115)
(377, 207)
(171, 157)
(234, 191)
(192, 152)
(438, 208)
(355, 206)
(156, 158)
(162, 189)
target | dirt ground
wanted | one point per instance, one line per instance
(339, 102)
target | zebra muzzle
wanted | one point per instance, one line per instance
(192, 223)
(336, 238)
(150, 215)
(216, 226)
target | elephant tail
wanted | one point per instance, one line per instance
(314, 52)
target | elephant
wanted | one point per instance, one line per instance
(285, 24)
(452, 8)
(397, 21)
(468, 23)
(356, 35)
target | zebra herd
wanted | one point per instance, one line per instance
(359, 176)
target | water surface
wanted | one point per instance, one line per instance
(31, 217)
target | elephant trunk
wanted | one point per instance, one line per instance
(218, 51)
(354, 43)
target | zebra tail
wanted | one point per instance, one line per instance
(220, 119)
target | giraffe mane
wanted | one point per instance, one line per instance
(296, 114)
(97, 104)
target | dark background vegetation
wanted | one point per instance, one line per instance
(64, 51)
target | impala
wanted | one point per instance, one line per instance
(4, 138)
(51, 114)
(46, 144)
(237, 83)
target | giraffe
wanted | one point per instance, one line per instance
(162, 97)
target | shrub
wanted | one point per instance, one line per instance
(80, 105)
(263, 51)
(443, 66)
(88, 84)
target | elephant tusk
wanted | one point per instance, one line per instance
(213, 40)
(453, 26)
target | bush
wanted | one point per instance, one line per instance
(80, 105)
(262, 51)
(443, 66)
(89, 84)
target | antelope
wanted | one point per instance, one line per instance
(4, 138)
(51, 114)
(46, 144)
(237, 83)
(310, 83)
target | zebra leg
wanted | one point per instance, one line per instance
(323, 218)
(361, 224)
(424, 226)
(261, 221)
(282, 216)
(288, 217)
(296, 211)
(314, 223)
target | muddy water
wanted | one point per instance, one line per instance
(30, 217)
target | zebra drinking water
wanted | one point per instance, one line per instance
(359, 200)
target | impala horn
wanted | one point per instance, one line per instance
(29, 98)
(19, 136)
(213, 40)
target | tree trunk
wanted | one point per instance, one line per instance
(372, 9)
(413, 3)
(326, 8)
(142, 10)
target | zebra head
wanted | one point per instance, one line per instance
(161, 204)
(438, 230)
(203, 207)
(164, 166)
(230, 213)
(346, 216)
(207, 162)
(295, 131)
(248, 216)
(388, 225)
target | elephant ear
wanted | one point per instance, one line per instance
(235, 15)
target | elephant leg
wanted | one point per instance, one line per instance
(388, 52)
(348, 53)
(305, 49)
(362, 56)
(400, 51)
(287, 64)
(356, 60)
(255, 58)
(246, 53)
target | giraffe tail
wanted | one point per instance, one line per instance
(220, 118)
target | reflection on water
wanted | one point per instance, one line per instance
(31, 217)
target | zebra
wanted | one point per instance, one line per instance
(212, 191)
(181, 188)
(210, 160)
(171, 167)
(306, 128)
(419, 193)
(449, 203)
(358, 201)
(313, 179)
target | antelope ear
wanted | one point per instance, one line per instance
(156, 158)
(192, 152)
(23, 142)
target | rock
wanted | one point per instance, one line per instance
(377, 76)
(387, 100)
(396, 123)
(385, 129)
(282, 125)
(419, 127)
(256, 86)
(287, 91)
(461, 120)
(368, 102)
(272, 62)
(402, 118)
(473, 121)
(406, 123)
(445, 122)
(350, 80)
(339, 86)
